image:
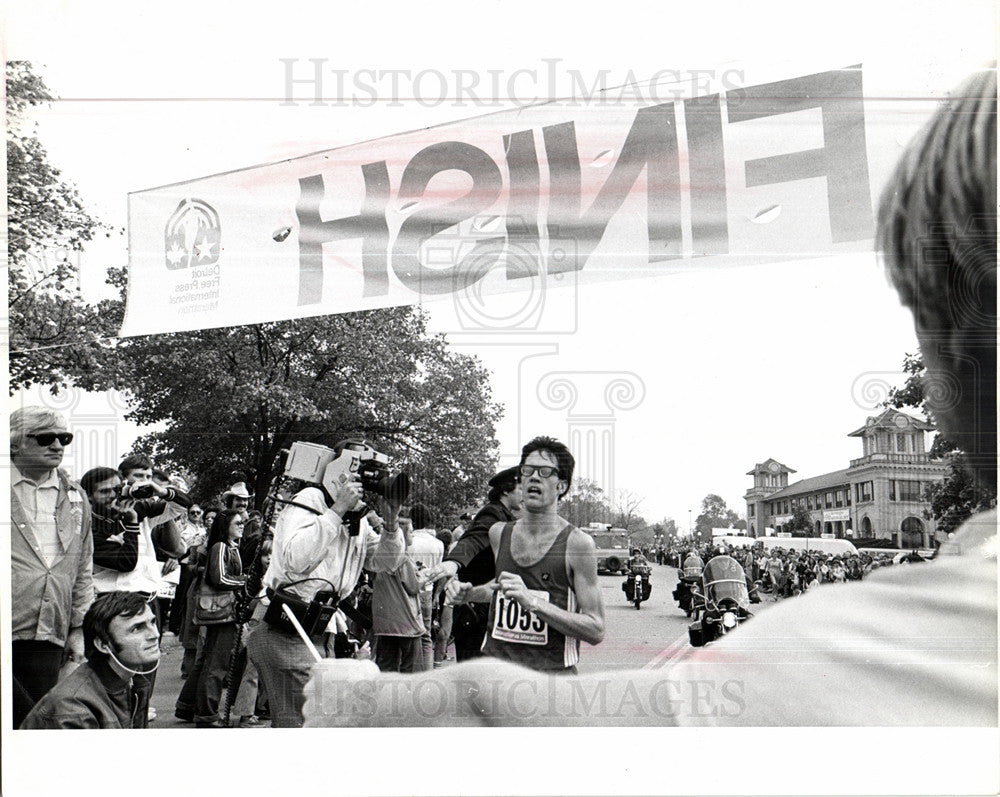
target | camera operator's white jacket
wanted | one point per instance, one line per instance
(316, 545)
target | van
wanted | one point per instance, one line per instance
(823, 545)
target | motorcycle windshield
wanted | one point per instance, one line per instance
(724, 579)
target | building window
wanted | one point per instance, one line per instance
(750, 511)
(829, 500)
(892, 490)
(786, 507)
(865, 491)
(909, 490)
(901, 442)
(840, 498)
(809, 502)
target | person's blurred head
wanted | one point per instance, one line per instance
(38, 439)
(227, 523)
(550, 450)
(101, 486)
(938, 238)
(136, 468)
(421, 517)
(120, 625)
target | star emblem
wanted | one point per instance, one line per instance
(204, 250)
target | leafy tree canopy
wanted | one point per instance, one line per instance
(52, 331)
(232, 398)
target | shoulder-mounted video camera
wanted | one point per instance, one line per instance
(325, 468)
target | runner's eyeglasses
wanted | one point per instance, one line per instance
(544, 471)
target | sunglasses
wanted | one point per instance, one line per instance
(48, 438)
(544, 471)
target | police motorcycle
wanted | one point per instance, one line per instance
(637, 586)
(688, 577)
(724, 599)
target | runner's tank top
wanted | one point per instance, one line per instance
(517, 635)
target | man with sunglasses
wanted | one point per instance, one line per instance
(546, 596)
(52, 554)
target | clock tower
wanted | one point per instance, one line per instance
(768, 477)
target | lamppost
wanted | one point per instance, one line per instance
(690, 527)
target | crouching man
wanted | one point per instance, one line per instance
(120, 640)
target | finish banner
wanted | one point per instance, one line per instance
(519, 200)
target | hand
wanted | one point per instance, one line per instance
(74, 645)
(375, 521)
(457, 592)
(390, 511)
(347, 497)
(169, 566)
(127, 514)
(513, 588)
(437, 572)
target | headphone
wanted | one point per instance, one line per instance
(118, 661)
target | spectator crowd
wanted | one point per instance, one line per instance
(105, 565)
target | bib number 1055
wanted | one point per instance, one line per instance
(511, 623)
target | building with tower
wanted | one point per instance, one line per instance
(879, 495)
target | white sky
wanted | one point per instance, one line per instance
(736, 366)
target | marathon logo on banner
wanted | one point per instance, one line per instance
(774, 171)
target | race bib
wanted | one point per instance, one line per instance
(511, 623)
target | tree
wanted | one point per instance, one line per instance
(801, 524)
(959, 496)
(714, 515)
(585, 504)
(626, 511)
(233, 398)
(53, 333)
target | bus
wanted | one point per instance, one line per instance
(612, 547)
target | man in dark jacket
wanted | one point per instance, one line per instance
(121, 640)
(472, 560)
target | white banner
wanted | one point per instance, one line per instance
(521, 200)
(836, 514)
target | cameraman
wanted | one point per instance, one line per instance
(314, 551)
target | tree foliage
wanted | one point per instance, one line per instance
(586, 503)
(233, 398)
(959, 495)
(801, 524)
(52, 330)
(714, 515)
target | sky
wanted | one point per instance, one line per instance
(723, 369)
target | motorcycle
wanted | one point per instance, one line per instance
(724, 601)
(684, 596)
(637, 586)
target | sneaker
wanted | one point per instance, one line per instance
(150, 714)
(252, 721)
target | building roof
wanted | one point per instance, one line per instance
(766, 465)
(894, 421)
(837, 478)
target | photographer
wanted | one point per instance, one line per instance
(115, 530)
(152, 504)
(314, 551)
